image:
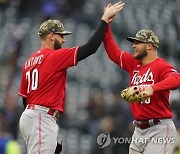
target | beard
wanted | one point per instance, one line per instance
(140, 55)
(57, 45)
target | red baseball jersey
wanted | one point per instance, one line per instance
(44, 77)
(157, 106)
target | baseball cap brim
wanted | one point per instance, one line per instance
(65, 33)
(132, 39)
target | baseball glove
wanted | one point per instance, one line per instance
(134, 94)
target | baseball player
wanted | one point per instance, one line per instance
(154, 129)
(43, 81)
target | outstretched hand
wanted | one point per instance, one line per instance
(111, 10)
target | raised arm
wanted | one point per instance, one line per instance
(94, 42)
(112, 49)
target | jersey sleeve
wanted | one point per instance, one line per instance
(167, 70)
(170, 79)
(122, 58)
(64, 58)
(23, 86)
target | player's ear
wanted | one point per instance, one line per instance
(149, 46)
(51, 36)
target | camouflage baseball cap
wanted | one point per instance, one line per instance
(52, 26)
(146, 36)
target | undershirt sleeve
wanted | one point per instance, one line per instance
(24, 102)
(93, 44)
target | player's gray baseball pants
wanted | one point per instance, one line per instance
(39, 130)
(158, 139)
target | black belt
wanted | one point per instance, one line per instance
(147, 123)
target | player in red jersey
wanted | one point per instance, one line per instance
(154, 129)
(44, 78)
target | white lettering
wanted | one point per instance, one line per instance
(147, 77)
(127, 140)
(121, 140)
(162, 140)
(33, 61)
(115, 139)
(134, 140)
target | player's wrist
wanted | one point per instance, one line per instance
(104, 18)
(154, 87)
(150, 90)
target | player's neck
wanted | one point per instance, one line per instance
(149, 58)
(46, 45)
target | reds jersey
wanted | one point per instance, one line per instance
(157, 106)
(44, 77)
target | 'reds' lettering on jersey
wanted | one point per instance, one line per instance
(44, 77)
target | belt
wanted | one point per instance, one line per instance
(49, 111)
(146, 124)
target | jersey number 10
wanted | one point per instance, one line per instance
(32, 79)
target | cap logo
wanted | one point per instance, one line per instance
(53, 30)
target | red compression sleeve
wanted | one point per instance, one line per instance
(170, 83)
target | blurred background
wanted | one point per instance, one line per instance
(93, 104)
